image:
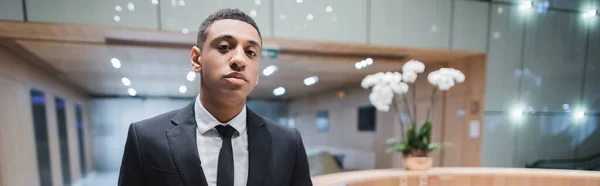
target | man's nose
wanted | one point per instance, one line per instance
(238, 60)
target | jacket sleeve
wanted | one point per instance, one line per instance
(131, 173)
(301, 170)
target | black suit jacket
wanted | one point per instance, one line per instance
(162, 151)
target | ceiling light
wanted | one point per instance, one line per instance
(309, 17)
(118, 8)
(566, 107)
(299, 1)
(579, 114)
(185, 31)
(191, 76)
(590, 13)
(117, 18)
(115, 62)
(279, 91)
(341, 94)
(363, 63)
(257, 2)
(269, 70)
(155, 2)
(328, 9)
(517, 113)
(130, 6)
(311, 80)
(181, 3)
(131, 91)
(525, 5)
(252, 13)
(358, 65)
(182, 89)
(282, 17)
(126, 81)
(369, 61)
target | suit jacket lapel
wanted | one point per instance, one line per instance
(182, 142)
(259, 149)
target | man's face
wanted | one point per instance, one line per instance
(229, 59)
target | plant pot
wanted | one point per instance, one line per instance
(417, 163)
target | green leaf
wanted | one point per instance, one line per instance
(397, 147)
(425, 133)
(393, 140)
(434, 146)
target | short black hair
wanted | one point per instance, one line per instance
(228, 13)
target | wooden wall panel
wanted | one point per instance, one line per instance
(17, 140)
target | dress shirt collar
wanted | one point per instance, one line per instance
(206, 121)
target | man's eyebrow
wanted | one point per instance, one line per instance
(222, 37)
(230, 37)
(254, 43)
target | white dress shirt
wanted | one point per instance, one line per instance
(209, 144)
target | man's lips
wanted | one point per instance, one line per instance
(237, 75)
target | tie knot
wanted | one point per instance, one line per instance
(226, 131)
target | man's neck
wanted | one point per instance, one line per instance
(222, 112)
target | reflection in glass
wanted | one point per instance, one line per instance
(366, 118)
(40, 127)
(80, 137)
(322, 121)
(61, 121)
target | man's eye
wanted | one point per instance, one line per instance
(224, 48)
(250, 53)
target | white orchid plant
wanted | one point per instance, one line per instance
(390, 89)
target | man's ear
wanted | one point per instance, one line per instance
(195, 59)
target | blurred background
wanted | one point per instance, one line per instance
(75, 73)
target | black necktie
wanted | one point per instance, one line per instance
(225, 168)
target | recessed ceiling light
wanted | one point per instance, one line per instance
(115, 62)
(117, 18)
(257, 2)
(525, 5)
(191, 76)
(181, 3)
(299, 1)
(358, 65)
(282, 17)
(279, 91)
(130, 6)
(185, 31)
(155, 2)
(252, 13)
(363, 63)
(269, 70)
(369, 61)
(118, 8)
(131, 91)
(328, 9)
(517, 113)
(579, 114)
(310, 17)
(182, 89)
(311, 80)
(125, 81)
(590, 14)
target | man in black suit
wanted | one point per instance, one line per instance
(216, 140)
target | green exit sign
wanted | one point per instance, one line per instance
(269, 53)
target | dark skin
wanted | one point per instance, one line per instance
(228, 63)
